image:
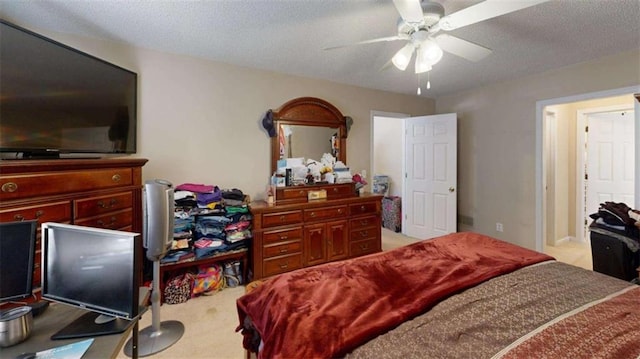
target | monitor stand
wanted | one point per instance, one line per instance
(86, 326)
(38, 307)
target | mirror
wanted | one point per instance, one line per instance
(309, 141)
(308, 127)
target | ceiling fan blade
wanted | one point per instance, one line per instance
(483, 11)
(387, 65)
(381, 39)
(410, 10)
(463, 48)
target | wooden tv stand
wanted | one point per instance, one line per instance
(102, 193)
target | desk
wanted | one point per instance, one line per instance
(55, 318)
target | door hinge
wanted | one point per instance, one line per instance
(586, 128)
(586, 176)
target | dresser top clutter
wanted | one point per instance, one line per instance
(316, 213)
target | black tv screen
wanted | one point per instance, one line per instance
(91, 268)
(17, 255)
(55, 99)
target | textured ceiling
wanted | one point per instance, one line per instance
(288, 36)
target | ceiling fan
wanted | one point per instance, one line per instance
(420, 23)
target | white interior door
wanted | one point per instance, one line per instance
(429, 201)
(610, 159)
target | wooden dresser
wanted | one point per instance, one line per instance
(301, 234)
(103, 193)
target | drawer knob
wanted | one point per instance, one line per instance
(110, 224)
(364, 233)
(39, 213)
(364, 247)
(284, 250)
(10, 187)
(116, 178)
(282, 218)
(362, 208)
(313, 214)
(110, 204)
(282, 238)
(335, 189)
(340, 211)
(301, 193)
(284, 265)
(364, 222)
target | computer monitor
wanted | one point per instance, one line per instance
(17, 255)
(93, 269)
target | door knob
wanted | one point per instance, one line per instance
(451, 189)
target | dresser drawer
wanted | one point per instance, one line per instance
(50, 212)
(363, 208)
(41, 184)
(337, 212)
(93, 206)
(367, 246)
(364, 233)
(273, 237)
(292, 193)
(281, 218)
(336, 192)
(279, 249)
(282, 264)
(364, 222)
(114, 220)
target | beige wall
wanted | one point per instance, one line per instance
(200, 121)
(497, 140)
(388, 150)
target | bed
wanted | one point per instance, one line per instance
(464, 295)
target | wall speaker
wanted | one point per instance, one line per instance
(158, 208)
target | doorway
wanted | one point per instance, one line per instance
(430, 210)
(564, 157)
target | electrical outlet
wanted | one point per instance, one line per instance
(499, 227)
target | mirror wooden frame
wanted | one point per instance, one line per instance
(309, 111)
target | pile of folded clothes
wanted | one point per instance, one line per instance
(619, 218)
(207, 221)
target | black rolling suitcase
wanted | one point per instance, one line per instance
(614, 254)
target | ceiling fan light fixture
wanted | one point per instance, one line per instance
(421, 65)
(402, 58)
(431, 51)
(428, 54)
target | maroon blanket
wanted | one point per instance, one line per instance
(328, 310)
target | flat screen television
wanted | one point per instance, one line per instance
(94, 269)
(17, 256)
(57, 100)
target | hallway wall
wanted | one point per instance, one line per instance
(565, 203)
